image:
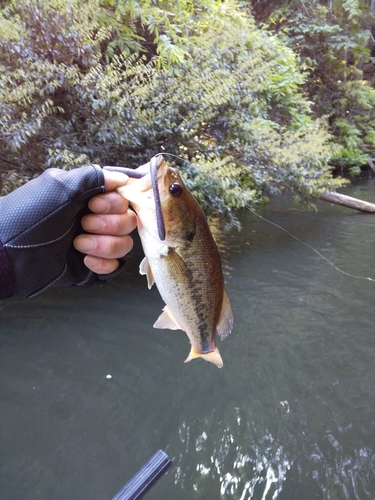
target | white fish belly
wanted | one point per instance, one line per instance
(188, 302)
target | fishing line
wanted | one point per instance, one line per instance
(285, 230)
(311, 247)
(176, 156)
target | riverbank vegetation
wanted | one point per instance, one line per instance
(254, 96)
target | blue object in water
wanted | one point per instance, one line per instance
(143, 479)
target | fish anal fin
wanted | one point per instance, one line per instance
(226, 321)
(144, 268)
(166, 320)
(213, 357)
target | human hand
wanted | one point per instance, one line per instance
(108, 226)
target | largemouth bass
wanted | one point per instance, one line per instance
(185, 266)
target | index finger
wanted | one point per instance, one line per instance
(113, 180)
(110, 202)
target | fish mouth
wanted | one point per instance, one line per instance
(150, 172)
(148, 177)
(156, 169)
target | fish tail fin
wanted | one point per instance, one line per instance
(213, 357)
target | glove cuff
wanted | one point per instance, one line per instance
(7, 277)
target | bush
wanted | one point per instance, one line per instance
(333, 42)
(232, 110)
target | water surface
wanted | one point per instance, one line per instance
(291, 415)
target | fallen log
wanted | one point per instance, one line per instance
(348, 201)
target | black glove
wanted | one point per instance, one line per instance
(38, 223)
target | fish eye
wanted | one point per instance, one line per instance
(175, 189)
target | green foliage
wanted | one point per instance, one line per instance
(231, 106)
(354, 125)
(332, 40)
(155, 28)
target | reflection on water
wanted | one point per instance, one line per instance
(246, 464)
(240, 470)
(290, 416)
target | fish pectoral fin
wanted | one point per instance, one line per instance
(226, 322)
(177, 264)
(213, 357)
(166, 320)
(144, 268)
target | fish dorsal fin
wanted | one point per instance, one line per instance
(166, 320)
(144, 268)
(225, 325)
(213, 357)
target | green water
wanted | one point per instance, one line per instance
(291, 415)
